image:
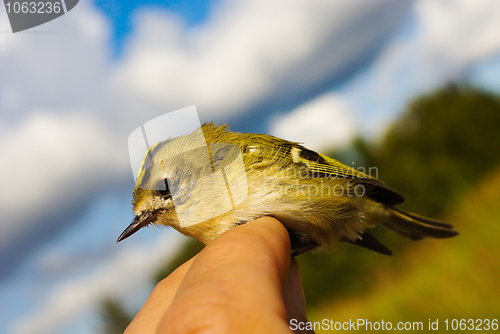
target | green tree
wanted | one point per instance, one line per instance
(440, 148)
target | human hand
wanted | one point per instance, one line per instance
(242, 282)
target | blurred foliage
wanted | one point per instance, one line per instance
(114, 318)
(346, 271)
(441, 147)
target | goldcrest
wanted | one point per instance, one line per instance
(319, 200)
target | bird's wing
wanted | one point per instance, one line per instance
(319, 165)
(328, 167)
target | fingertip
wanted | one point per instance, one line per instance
(265, 236)
(274, 233)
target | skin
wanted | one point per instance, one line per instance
(242, 282)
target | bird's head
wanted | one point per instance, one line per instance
(173, 179)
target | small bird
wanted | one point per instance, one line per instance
(319, 200)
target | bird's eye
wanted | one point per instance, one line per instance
(162, 187)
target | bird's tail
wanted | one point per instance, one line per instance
(417, 227)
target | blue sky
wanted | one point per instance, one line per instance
(121, 15)
(311, 71)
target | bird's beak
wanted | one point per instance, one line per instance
(139, 222)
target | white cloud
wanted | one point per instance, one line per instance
(60, 139)
(457, 34)
(251, 51)
(51, 160)
(126, 271)
(323, 123)
(446, 39)
(62, 69)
